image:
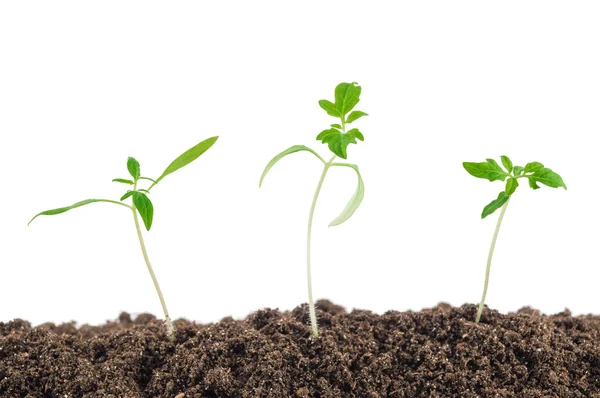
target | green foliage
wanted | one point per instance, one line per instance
(338, 141)
(495, 204)
(354, 201)
(74, 206)
(123, 181)
(133, 166)
(144, 206)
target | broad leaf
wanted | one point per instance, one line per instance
(532, 167)
(123, 181)
(187, 157)
(356, 199)
(532, 183)
(293, 149)
(511, 186)
(347, 96)
(518, 170)
(133, 166)
(355, 115)
(338, 142)
(487, 170)
(74, 206)
(495, 204)
(548, 177)
(126, 195)
(329, 108)
(507, 163)
(144, 206)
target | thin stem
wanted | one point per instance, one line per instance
(170, 328)
(311, 303)
(489, 261)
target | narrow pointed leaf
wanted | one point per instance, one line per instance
(533, 167)
(329, 108)
(355, 115)
(548, 177)
(485, 170)
(187, 157)
(292, 149)
(123, 181)
(511, 186)
(126, 195)
(354, 202)
(74, 206)
(495, 204)
(133, 166)
(507, 163)
(144, 206)
(147, 178)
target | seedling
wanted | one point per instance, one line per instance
(141, 202)
(534, 172)
(337, 138)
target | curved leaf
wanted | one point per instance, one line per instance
(292, 149)
(532, 167)
(511, 186)
(549, 178)
(355, 200)
(489, 170)
(507, 163)
(329, 108)
(133, 166)
(495, 204)
(355, 115)
(144, 206)
(74, 206)
(122, 181)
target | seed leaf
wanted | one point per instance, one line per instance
(507, 163)
(489, 170)
(330, 108)
(186, 158)
(338, 142)
(532, 167)
(78, 204)
(292, 149)
(123, 181)
(133, 166)
(548, 177)
(347, 96)
(355, 115)
(518, 170)
(495, 204)
(511, 186)
(144, 206)
(356, 199)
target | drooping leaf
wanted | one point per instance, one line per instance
(354, 201)
(531, 167)
(532, 183)
(495, 204)
(123, 181)
(329, 108)
(144, 206)
(147, 178)
(126, 195)
(186, 158)
(355, 115)
(507, 163)
(494, 165)
(485, 170)
(548, 177)
(133, 166)
(292, 149)
(511, 186)
(347, 96)
(518, 170)
(74, 206)
(338, 142)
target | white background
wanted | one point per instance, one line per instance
(83, 85)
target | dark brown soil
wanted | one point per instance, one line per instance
(432, 353)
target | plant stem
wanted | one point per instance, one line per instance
(489, 261)
(170, 328)
(311, 303)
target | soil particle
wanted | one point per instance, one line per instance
(438, 352)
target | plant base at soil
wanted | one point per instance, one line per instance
(439, 352)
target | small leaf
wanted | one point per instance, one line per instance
(487, 170)
(127, 194)
(507, 163)
(144, 206)
(133, 166)
(292, 149)
(186, 158)
(532, 183)
(74, 206)
(518, 170)
(338, 142)
(549, 178)
(532, 167)
(355, 200)
(123, 181)
(347, 96)
(147, 178)
(355, 115)
(337, 126)
(511, 186)
(495, 204)
(329, 108)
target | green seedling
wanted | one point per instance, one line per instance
(534, 172)
(140, 203)
(337, 138)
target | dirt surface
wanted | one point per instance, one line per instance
(432, 353)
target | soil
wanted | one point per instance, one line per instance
(438, 352)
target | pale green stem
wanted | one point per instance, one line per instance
(311, 303)
(170, 328)
(489, 261)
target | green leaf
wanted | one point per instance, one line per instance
(518, 170)
(123, 181)
(495, 204)
(532, 167)
(549, 178)
(292, 149)
(133, 166)
(338, 142)
(147, 178)
(329, 108)
(532, 183)
(337, 126)
(144, 206)
(127, 194)
(511, 186)
(355, 115)
(507, 163)
(186, 158)
(355, 200)
(347, 96)
(488, 170)
(74, 206)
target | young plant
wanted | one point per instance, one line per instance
(347, 95)
(140, 203)
(534, 172)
